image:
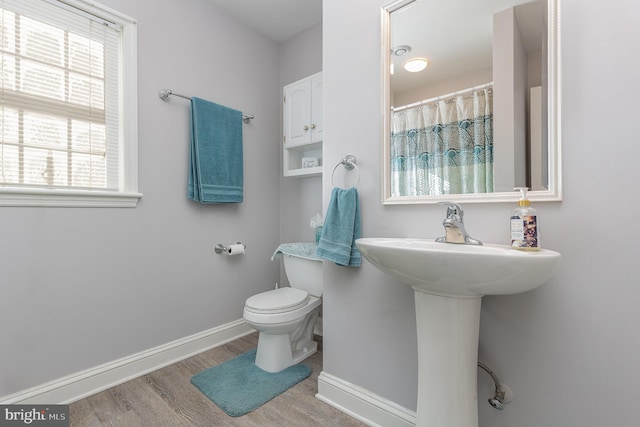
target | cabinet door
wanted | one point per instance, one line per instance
(316, 109)
(297, 113)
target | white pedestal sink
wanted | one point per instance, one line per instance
(449, 282)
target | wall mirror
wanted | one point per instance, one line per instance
(483, 117)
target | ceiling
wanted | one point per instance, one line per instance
(276, 19)
(282, 19)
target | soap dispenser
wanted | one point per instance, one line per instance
(524, 224)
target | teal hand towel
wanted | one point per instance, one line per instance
(341, 228)
(306, 250)
(215, 169)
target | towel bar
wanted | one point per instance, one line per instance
(349, 163)
(165, 95)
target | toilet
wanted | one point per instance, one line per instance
(286, 316)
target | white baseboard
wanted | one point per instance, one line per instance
(85, 383)
(361, 404)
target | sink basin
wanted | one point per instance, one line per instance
(460, 270)
(449, 281)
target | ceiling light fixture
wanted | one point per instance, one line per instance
(416, 64)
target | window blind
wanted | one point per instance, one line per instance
(59, 94)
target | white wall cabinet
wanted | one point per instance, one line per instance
(302, 139)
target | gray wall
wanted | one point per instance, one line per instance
(570, 349)
(81, 287)
(300, 197)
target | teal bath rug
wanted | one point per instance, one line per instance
(238, 386)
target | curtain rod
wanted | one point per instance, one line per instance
(438, 98)
(165, 94)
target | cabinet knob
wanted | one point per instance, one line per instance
(313, 126)
(305, 127)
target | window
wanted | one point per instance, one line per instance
(68, 105)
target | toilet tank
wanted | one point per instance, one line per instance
(302, 266)
(304, 273)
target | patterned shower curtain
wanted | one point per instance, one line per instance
(444, 146)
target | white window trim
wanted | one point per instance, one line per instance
(128, 196)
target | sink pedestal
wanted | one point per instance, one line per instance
(448, 330)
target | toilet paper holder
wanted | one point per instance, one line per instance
(220, 248)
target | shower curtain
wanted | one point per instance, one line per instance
(444, 146)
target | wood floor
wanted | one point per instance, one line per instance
(167, 398)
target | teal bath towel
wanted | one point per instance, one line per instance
(215, 170)
(341, 229)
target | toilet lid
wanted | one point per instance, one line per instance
(278, 300)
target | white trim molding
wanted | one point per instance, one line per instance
(361, 404)
(68, 198)
(94, 380)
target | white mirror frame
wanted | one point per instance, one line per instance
(554, 190)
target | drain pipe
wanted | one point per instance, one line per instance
(499, 396)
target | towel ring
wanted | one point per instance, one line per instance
(349, 163)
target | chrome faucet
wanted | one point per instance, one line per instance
(454, 227)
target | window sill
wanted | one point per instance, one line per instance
(68, 198)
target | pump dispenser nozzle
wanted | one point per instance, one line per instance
(523, 198)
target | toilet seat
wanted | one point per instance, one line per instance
(279, 300)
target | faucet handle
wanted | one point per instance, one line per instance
(453, 210)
